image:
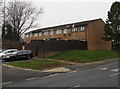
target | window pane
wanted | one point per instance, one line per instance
(31, 35)
(58, 31)
(27, 35)
(45, 33)
(65, 30)
(35, 34)
(82, 28)
(51, 32)
(40, 34)
(74, 29)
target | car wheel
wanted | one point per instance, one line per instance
(13, 59)
(28, 57)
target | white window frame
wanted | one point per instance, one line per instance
(45, 33)
(40, 33)
(74, 29)
(51, 32)
(27, 35)
(59, 32)
(30, 34)
(35, 34)
(82, 28)
(65, 30)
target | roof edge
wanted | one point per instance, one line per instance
(87, 21)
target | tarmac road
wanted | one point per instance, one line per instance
(102, 76)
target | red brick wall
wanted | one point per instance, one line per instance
(95, 32)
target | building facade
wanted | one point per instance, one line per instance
(91, 31)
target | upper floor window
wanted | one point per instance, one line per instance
(27, 35)
(51, 32)
(82, 28)
(40, 33)
(65, 30)
(30, 34)
(59, 32)
(45, 33)
(35, 34)
(74, 29)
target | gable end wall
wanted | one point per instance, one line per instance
(95, 32)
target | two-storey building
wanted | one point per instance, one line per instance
(91, 31)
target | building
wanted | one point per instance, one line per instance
(91, 31)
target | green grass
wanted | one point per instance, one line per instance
(37, 64)
(83, 56)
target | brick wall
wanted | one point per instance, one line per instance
(95, 33)
(73, 35)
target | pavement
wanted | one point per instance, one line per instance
(100, 74)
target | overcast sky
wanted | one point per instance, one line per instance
(58, 12)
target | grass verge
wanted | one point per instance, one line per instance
(37, 64)
(83, 56)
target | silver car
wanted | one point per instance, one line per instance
(4, 53)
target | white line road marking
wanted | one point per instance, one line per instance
(105, 68)
(32, 78)
(74, 87)
(50, 76)
(77, 86)
(73, 71)
(7, 82)
(115, 70)
(114, 74)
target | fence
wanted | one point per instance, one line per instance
(46, 48)
(12, 46)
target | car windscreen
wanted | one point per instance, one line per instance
(8, 51)
(1, 51)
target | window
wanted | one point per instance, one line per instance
(59, 32)
(69, 30)
(30, 34)
(40, 33)
(51, 32)
(35, 34)
(74, 29)
(27, 35)
(45, 33)
(82, 28)
(65, 30)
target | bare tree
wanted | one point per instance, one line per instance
(1, 7)
(22, 16)
(1, 15)
(1, 1)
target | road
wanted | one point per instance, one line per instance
(102, 76)
(15, 75)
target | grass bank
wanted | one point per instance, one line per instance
(37, 64)
(83, 56)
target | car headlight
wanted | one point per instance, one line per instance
(7, 56)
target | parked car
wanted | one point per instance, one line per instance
(6, 52)
(23, 54)
(19, 54)
(1, 50)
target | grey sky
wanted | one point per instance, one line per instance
(58, 12)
